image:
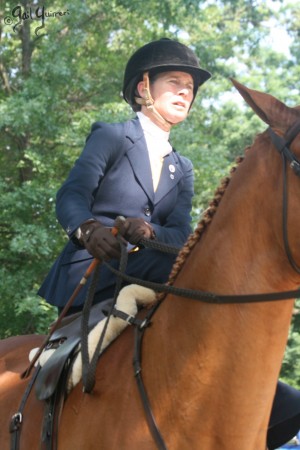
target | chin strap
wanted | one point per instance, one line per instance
(149, 103)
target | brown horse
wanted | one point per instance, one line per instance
(210, 371)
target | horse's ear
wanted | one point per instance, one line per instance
(264, 105)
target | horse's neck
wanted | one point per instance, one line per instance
(226, 357)
(242, 250)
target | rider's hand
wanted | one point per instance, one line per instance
(99, 241)
(133, 230)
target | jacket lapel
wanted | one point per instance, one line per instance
(171, 174)
(137, 154)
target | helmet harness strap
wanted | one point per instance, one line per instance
(148, 101)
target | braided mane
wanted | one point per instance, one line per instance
(202, 224)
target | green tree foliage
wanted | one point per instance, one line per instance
(61, 73)
(290, 371)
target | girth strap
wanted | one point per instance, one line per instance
(53, 410)
(17, 418)
(132, 320)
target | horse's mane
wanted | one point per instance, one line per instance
(202, 224)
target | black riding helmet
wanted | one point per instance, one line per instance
(161, 56)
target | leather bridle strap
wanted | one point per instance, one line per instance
(282, 145)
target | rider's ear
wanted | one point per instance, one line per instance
(141, 89)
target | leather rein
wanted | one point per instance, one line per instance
(283, 147)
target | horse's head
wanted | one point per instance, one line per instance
(284, 134)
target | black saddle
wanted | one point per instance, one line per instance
(68, 336)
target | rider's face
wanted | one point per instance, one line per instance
(173, 93)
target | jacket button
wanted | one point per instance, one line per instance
(147, 212)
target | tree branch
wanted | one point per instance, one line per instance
(5, 79)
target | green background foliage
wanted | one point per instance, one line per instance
(58, 80)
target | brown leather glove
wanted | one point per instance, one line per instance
(133, 230)
(99, 241)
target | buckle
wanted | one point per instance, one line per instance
(15, 422)
(295, 165)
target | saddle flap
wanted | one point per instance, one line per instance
(70, 334)
(50, 373)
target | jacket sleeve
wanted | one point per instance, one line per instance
(75, 198)
(177, 226)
